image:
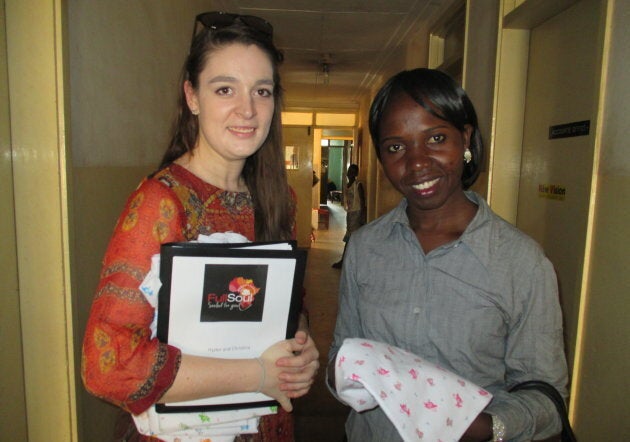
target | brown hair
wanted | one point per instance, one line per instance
(264, 171)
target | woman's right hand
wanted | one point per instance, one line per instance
(271, 384)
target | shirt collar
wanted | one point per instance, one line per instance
(476, 236)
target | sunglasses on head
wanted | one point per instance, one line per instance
(219, 20)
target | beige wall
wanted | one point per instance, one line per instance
(480, 52)
(601, 407)
(38, 156)
(508, 116)
(12, 398)
(125, 59)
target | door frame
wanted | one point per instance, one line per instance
(41, 197)
(515, 26)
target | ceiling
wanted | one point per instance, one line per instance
(353, 40)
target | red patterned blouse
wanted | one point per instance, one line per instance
(121, 363)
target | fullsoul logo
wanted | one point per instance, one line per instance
(242, 292)
(233, 293)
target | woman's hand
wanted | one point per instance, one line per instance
(480, 429)
(301, 368)
(271, 373)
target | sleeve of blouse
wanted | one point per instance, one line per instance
(121, 363)
(535, 351)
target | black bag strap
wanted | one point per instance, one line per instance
(553, 394)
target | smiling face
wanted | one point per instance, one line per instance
(422, 155)
(234, 102)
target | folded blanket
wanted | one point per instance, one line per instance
(200, 426)
(423, 400)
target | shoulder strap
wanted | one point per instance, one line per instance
(551, 392)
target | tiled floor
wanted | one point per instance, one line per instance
(318, 415)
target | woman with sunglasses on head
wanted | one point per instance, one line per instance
(222, 172)
(443, 277)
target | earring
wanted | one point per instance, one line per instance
(195, 111)
(467, 156)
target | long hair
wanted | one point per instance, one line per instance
(440, 95)
(264, 171)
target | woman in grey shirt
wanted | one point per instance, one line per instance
(445, 278)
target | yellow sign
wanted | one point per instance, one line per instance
(552, 191)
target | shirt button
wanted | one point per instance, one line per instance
(416, 310)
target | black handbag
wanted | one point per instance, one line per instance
(550, 391)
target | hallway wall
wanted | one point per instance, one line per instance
(479, 73)
(124, 64)
(36, 157)
(602, 409)
(12, 399)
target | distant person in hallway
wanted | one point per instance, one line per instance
(330, 187)
(445, 278)
(223, 171)
(356, 210)
(315, 179)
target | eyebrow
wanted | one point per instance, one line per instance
(428, 129)
(439, 126)
(228, 79)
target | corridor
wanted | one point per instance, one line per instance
(319, 416)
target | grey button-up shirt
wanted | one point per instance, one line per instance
(484, 306)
